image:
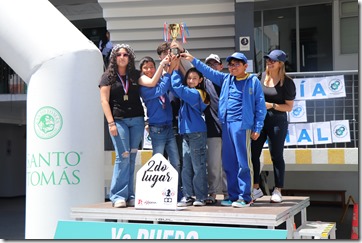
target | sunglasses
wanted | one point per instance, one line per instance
(268, 60)
(122, 55)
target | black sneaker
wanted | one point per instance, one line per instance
(130, 202)
(185, 201)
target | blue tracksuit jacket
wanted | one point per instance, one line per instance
(192, 107)
(156, 114)
(254, 109)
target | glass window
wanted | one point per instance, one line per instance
(274, 34)
(349, 27)
(276, 29)
(349, 8)
(315, 30)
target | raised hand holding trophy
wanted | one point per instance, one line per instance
(173, 30)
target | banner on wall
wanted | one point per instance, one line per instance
(340, 131)
(299, 112)
(322, 133)
(291, 138)
(317, 133)
(320, 88)
(304, 133)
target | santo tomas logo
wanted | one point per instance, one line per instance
(47, 122)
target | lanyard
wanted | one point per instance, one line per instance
(124, 83)
(163, 100)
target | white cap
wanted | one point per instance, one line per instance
(213, 57)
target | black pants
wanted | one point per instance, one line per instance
(275, 131)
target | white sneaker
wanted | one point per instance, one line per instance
(199, 203)
(121, 203)
(185, 201)
(276, 196)
(257, 193)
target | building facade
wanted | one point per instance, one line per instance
(317, 35)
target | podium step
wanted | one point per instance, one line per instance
(316, 230)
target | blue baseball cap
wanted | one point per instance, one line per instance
(238, 56)
(277, 55)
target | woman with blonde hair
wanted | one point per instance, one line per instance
(279, 91)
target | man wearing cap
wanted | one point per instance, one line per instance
(280, 91)
(241, 112)
(215, 173)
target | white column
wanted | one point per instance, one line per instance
(64, 117)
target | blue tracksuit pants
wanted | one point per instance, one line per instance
(236, 159)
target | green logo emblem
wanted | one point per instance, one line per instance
(48, 122)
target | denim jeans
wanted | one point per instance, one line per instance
(275, 130)
(194, 178)
(126, 143)
(163, 139)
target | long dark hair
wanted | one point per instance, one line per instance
(201, 85)
(145, 60)
(112, 68)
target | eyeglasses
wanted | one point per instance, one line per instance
(122, 55)
(213, 64)
(268, 60)
(232, 65)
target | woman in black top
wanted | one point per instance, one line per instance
(279, 91)
(124, 112)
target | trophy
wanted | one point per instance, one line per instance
(174, 30)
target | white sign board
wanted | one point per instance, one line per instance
(322, 132)
(340, 131)
(244, 43)
(320, 87)
(299, 112)
(156, 185)
(250, 67)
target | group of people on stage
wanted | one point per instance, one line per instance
(211, 125)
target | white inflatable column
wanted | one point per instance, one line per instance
(64, 116)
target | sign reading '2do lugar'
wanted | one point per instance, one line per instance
(156, 185)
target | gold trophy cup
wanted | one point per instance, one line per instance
(174, 30)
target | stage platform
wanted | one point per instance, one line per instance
(262, 213)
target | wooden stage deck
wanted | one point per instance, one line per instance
(262, 213)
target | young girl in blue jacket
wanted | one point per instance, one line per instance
(192, 127)
(241, 112)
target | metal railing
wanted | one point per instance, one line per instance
(345, 108)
